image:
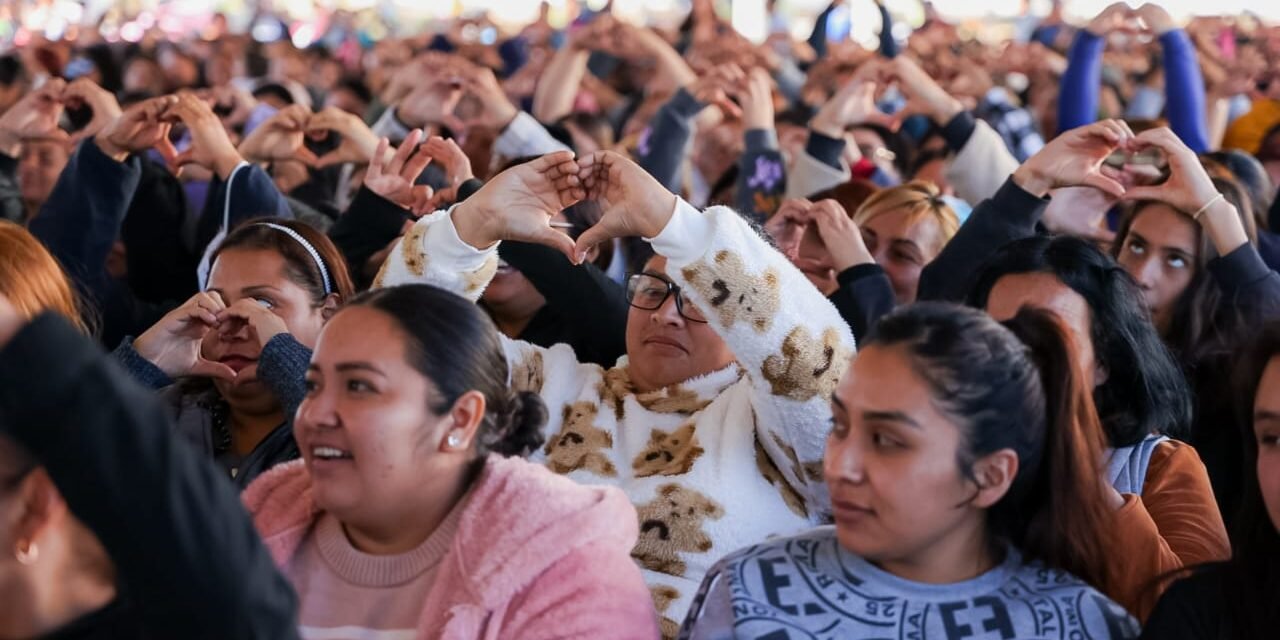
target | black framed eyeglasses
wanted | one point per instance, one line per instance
(649, 292)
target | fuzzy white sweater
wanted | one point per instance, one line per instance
(717, 463)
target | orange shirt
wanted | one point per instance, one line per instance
(1174, 523)
(1247, 132)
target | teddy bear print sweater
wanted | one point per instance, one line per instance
(719, 462)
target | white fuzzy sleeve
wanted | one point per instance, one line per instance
(790, 339)
(432, 253)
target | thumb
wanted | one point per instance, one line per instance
(589, 238)
(1104, 184)
(167, 151)
(210, 369)
(560, 242)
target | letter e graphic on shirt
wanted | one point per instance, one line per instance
(955, 629)
(774, 583)
(999, 620)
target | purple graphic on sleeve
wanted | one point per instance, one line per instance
(767, 176)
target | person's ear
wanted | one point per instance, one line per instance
(38, 505)
(464, 420)
(994, 474)
(330, 306)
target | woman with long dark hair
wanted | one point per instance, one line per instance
(1240, 598)
(964, 464)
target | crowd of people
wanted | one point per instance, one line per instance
(615, 332)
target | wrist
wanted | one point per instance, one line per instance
(109, 148)
(1032, 181)
(504, 115)
(469, 223)
(827, 127)
(225, 164)
(946, 110)
(10, 144)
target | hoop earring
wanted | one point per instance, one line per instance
(29, 555)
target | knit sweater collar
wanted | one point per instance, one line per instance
(368, 570)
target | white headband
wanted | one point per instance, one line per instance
(315, 255)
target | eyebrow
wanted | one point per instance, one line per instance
(897, 242)
(890, 416)
(359, 366)
(1266, 415)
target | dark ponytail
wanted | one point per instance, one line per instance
(1061, 517)
(1018, 388)
(456, 346)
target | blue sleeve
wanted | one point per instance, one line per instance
(1184, 90)
(142, 370)
(824, 149)
(253, 194)
(82, 217)
(1078, 99)
(888, 45)
(661, 148)
(282, 366)
(865, 295)
(762, 176)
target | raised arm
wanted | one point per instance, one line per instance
(662, 150)
(1078, 98)
(559, 83)
(1183, 84)
(1072, 159)
(762, 176)
(82, 217)
(794, 353)
(185, 552)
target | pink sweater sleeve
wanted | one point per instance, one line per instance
(594, 592)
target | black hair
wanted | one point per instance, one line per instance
(300, 266)
(11, 70)
(274, 90)
(1252, 579)
(452, 343)
(1019, 387)
(357, 87)
(1144, 392)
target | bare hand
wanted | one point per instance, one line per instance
(634, 204)
(84, 92)
(757, 100)
(1188, 187)
(1074, 159)
(518, 203)
(141, 127)
(173, 343)
(34, 116)
(924, 95)
(281, 137)
(715, 88)
(358, 144)
(395, 178)
(841, 236)
(210, 146)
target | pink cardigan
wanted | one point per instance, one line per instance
(536, 555)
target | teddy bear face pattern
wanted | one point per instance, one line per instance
(663, 596)
(668, 454)
(807, 367)
(673, 399)
(579, 444)
(733, 294)
(671, 524)
(614, 388)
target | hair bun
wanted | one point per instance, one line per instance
(519, 431)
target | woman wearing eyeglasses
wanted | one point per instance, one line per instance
(715, 420)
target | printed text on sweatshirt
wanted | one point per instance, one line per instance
(809, 587)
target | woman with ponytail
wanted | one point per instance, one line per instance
(404, 519)
(968, 495)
